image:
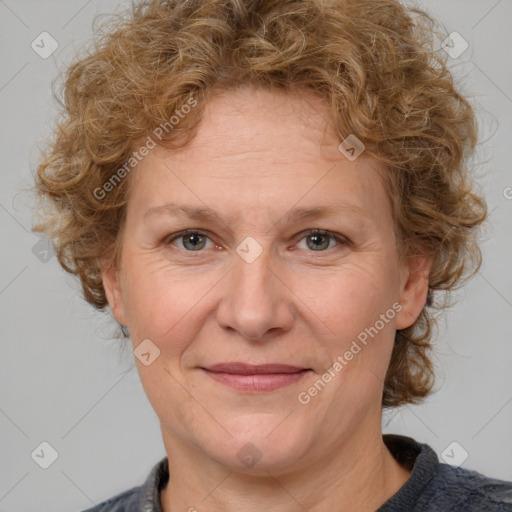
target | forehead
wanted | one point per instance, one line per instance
(257, 150)
(253, 122)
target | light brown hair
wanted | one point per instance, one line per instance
(370, 60)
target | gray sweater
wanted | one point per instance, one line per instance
(432, 486)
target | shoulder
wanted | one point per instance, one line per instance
(467, 490)
(144, 497)
(437, 487)
(123, 502)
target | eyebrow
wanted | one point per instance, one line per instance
(295, 215)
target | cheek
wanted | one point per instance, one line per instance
(168, 304)
(160, 300)
(351, 298)
(353, 303)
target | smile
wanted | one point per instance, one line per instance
(261, 378)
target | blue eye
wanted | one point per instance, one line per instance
(193, 240)
(320, 239)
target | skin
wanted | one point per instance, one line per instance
(258, 155)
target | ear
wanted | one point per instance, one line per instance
(414, 290)
(112, 287)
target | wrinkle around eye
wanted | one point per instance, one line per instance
(183, 235)
(340, 241)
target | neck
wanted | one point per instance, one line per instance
(360, 475)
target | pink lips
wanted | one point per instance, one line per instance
(265, 377)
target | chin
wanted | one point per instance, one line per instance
(261, 443)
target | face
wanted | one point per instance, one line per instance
(255, 284)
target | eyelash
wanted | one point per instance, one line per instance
(333, 236)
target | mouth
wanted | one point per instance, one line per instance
(255, 378)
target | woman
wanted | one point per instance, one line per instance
(272, 198)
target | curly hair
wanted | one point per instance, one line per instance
(372, 63)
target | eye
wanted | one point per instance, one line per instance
(319, 240)
(192, 240)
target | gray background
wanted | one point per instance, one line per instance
(64, 379)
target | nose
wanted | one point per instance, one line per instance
(256, 299)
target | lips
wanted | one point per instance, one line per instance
(255, 378)
(249, 369)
